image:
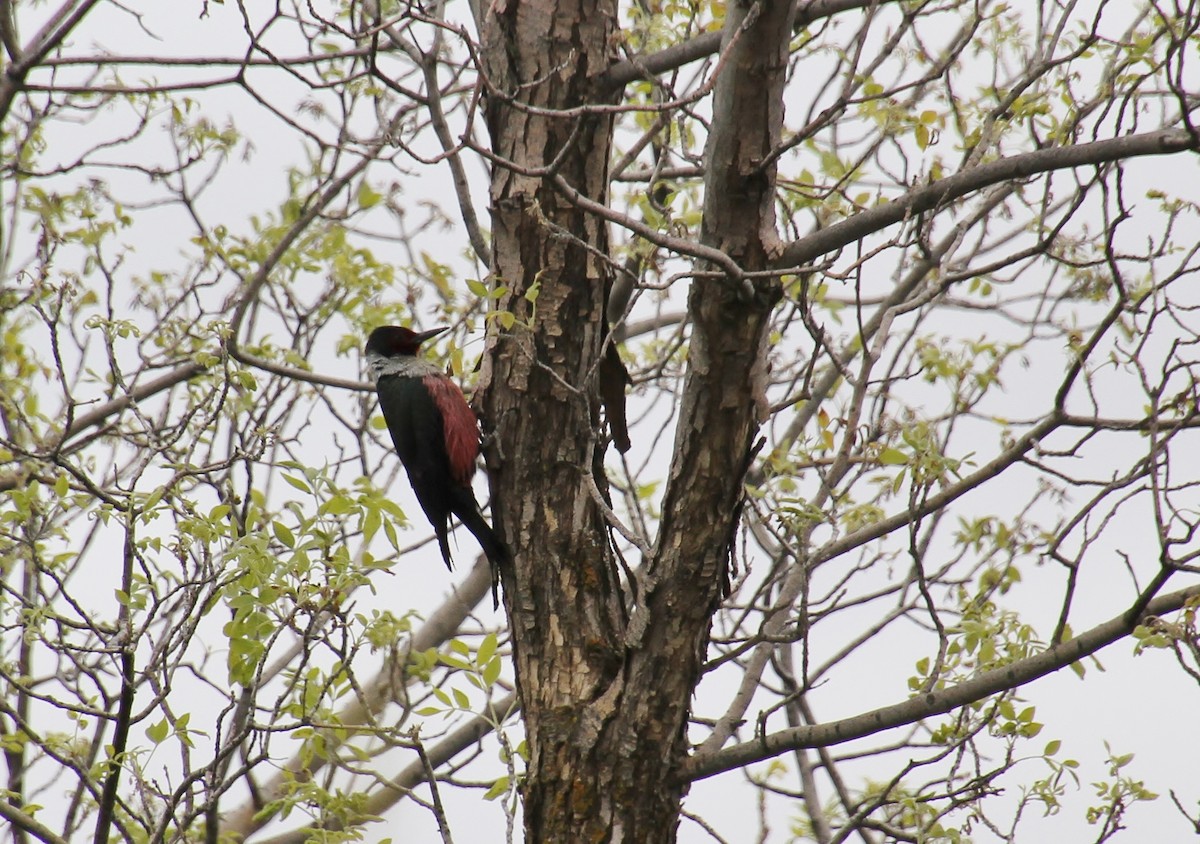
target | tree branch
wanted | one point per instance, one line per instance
(124, 715)
(21, 820)
(945, 191)
(442, 625)
(47, 39)
(933, 703)
(398, 788)
(702, 46)
(100, 413)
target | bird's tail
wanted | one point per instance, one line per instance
(495, 550)
(443, 532)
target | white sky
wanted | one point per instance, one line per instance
(1143, 705)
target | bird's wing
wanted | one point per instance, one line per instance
(460, 426)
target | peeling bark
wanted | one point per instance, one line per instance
(562, 594)
(606, 697)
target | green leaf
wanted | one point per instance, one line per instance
(298, 483)
(367, 196)
(499, 789)
(245, 380)
(893, 457)
(371, 523)
(283, 533)
(491, 672)
(486, 649)
(338, 505)
(389, 531)
(154, 498)
(157, 732)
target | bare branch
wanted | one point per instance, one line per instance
(936, 702)
(943, 192)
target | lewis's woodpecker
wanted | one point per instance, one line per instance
(436, 435)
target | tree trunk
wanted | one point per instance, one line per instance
(562, 595)
(606, 688)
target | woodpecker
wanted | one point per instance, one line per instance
(436, 435)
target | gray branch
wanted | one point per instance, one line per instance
(945, 191)
(932, 703)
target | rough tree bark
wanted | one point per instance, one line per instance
(562, 596)
(606, 686)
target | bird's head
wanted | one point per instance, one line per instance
(391, 341)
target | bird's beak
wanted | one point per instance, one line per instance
(422, 336)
